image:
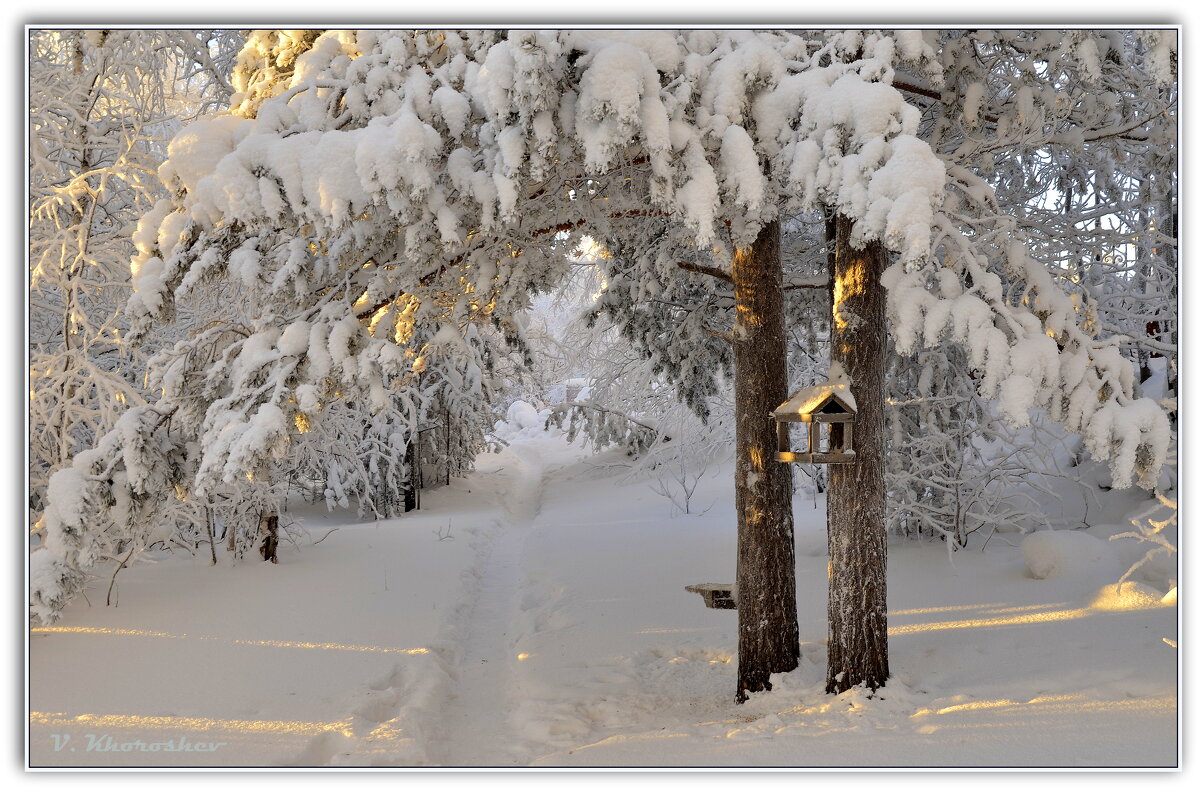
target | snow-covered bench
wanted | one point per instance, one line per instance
(716, 596)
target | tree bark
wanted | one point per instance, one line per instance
(410, 485)
(768, 634)
(1171, 255)
(212, 541)
(858, 650)
(268, 525)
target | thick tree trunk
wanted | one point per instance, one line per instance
(768, 635)
(858, 653)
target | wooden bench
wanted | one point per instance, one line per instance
(716, 596)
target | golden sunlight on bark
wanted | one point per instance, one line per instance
(850, 282)
(747, 316)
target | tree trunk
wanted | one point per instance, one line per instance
(268, 525)
(768, 634)
(412, 459)
(212, 541)
(1171, 256)
(81, 213)
(446, 420)
(858, 652)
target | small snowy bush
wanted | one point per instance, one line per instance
(1053, 555)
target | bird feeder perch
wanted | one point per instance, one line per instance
(821, 404)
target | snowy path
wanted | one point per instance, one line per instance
(452, 707)
(477, 727)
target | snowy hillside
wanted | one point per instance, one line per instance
(534, 614)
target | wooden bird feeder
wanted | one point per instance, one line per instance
(821, 404)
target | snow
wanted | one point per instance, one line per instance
(195, 152)
(1118, 433)
(520, 418)
(607, 113)
(237, 446)
(912, 46)
(804, 400)
(697, 198)
(534, 614)
(1162, 54)
(1131, 595)
(1089, 59)
(66, 511)
(1061, 554)
(659, 45)
(46, 587)
(1017, 397)
(294, 339)
(742, 173)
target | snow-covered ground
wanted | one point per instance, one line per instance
(534, 614)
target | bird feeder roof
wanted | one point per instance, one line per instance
(824, 398)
